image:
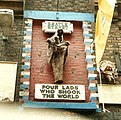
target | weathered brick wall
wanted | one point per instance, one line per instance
(10, 50)
(64, 5)
(113, 42)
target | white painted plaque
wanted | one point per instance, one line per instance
(109, 94)
(53, 26)
(55, 91)
(7, 80)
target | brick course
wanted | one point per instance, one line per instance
(51, 5)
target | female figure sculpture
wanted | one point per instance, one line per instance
(57, 53)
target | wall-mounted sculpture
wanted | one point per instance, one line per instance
(57, 53)
(109, 73)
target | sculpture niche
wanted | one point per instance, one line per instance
(57, 53)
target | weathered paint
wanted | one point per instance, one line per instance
(51, 15)
(25, 67)
(90, 58)
(64, 105)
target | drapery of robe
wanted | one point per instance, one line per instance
(56, 55)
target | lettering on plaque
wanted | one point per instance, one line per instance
(53, 91)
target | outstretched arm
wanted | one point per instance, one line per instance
(63, 43)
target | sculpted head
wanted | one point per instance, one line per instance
(59, 32)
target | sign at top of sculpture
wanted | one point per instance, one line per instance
(54, 91)
(53, 26)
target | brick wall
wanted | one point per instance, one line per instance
(113, 42)
(75, 68)
(10, 50)
(70, 6)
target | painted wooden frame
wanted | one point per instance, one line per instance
(87, 19)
